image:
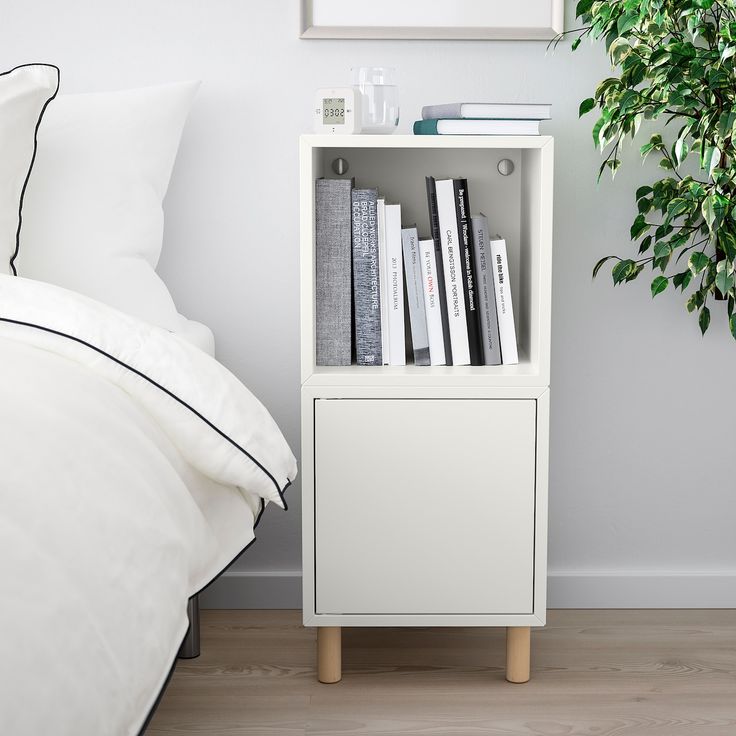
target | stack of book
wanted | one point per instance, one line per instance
(482, 118)
(372, 273)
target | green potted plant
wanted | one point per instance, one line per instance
(674, 65)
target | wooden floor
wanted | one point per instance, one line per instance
(594, 673)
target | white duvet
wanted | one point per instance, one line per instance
(132, 469)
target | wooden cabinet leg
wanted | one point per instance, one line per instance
(329, 654)
(518, 653)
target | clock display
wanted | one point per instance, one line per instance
(333, 111)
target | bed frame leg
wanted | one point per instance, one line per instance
(190, 646)
(329, 654)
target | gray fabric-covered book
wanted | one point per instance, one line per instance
(415, 296)
(486, 292)
(333, 271)
(366, 278)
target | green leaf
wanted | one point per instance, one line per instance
(639, 227)
(694, 302)
(597, 131)
(709, 212)
(696, 189)
(732, 325)
(724, 281)
(659, 285)
(681, 280)
(727, 241)
(710, 159)
(586, 106)
(704, 320)
(676, 207)
(576, 43)
(698, 261)
(622, 270)
(681, 150)
(634, 272)
(713, 210)
(598, 265)
(655, 143)
(643, 191)
(626, 22)
(644, 205)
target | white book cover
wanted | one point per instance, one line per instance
(504, 306)
(486, 291)
(383, 277)
(487, 127)
(502, 110)
(451, 260)
(395, 286)
(432, 296)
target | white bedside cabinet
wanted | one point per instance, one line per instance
(425, 488)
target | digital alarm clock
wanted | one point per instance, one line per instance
(337, 110)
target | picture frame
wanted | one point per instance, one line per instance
(419, 19)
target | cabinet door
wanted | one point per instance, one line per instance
(424, 506)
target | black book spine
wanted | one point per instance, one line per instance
(465, 231)
(434, 225)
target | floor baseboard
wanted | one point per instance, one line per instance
(641, 589)
(566, 589)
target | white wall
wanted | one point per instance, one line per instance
(642, 488)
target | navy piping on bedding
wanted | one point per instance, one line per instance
(33, 157)
(162, 691)
(79, 340)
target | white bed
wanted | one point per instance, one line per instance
(120, 498)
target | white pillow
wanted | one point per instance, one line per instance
(24, 94)
(93, 217)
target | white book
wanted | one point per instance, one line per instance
(395, 286)
(504, 306)
(503, 110)
(432, 296)
(477, 127)
(452, 253)
(383, 277)
(486, 291)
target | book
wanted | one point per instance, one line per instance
(452, 257)
(366, 278)
(434, 224)
(381, 220)
(467, 268)
(333, 269)
(504, 305)
(486, 292)
(395, 282)
(476, 127)
(432, 299)
(415, 296)
(486, 110)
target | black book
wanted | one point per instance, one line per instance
(467, 265)
(434, 225)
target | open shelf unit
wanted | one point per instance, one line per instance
(518, 207)
(425, 488)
